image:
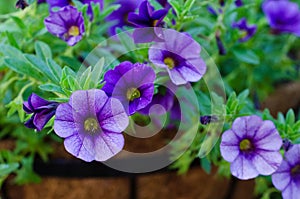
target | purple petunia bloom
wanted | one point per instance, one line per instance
(164, 97)
(283, 16)
(238, 3)
(287, 177)
(42, 110)
(146, 18)
(91, 124)
(249, 29)
(132, 84)
(120, 16)
(63, 3)
(67, 24)
(252, 147)
(180, 56)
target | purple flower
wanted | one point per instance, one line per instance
(41, 1)
(238, 3)
(91, 124)
(63, 3)
(283, 16)
(287, 177)
(67, 24)
(180, 56)
(252, 147)
(120, 16)
(164, 98)
(21, 4)
(132, 84)
(164, 3)
(249, 29)
(220, 45)
(42, 110)
(147, 17)
(206, 119)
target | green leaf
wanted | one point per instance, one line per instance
(7, 168)
(11, 39)
(247, 56)
(26, 173)
(176, 6)
(55, 68)
(51, 87)
(23, 67)
(41, 66)
(10, 51)
(187, 6)
(107, 11)
(97, 73)
(19, 22)
(206, 165)
(290, 117)
(42, 50)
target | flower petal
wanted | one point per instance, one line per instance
(243, 168)
(267, 162)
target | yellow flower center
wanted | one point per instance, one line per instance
(73, 31)
(245, 145)
(154, 23)
(91, 125)
(169, 62)
(296, 170)
(132, 94)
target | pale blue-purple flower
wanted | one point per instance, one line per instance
(91, 124)
(67, 24)
(120, 16)
(252, 147)
(243, 26)
(287, 177)
(41, 109)
(283, 16)
(180, 56)
(132, 84)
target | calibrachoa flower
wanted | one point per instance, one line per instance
(252, 147)
(120, 16)
(249, 29)
(164, 97)
(238, 3)
(287, 177)
(132, 84)
(180, 56)
(164, 3)
(283, 16)
(147, 17)
(42, 110)
(62, 3)
(67, 24)
(91, 124)
(21, 4)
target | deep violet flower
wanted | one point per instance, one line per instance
(283, 16)
(42, 110)
(61, 3)
(180, 56)
(248, 29)
(287, 177)
(41, 1)
(67, 24)
(164, 98)
(120, 16)
(238, 3)
(164, 3)
(21, 4)
(252, 147)
(220, 45)
(91, 124)
(206, 119)
(132, 84)
(146, 18)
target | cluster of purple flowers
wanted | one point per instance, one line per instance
(252, 146)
